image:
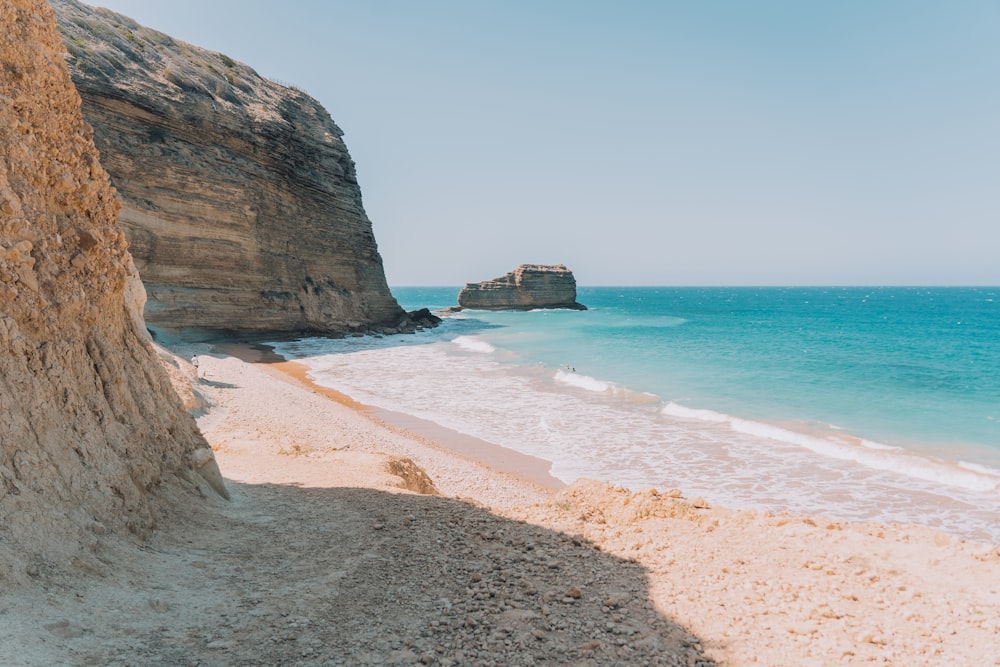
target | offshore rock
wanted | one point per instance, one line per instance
(93, 440)
(423, 318)
(527, 287)
(241, 203)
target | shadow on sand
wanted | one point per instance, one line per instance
(344, 576)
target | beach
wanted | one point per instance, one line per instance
(350, 541)
(855, 404)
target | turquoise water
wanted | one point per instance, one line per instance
(910, 366)
(856, 403)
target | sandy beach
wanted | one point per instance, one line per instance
(350, 540)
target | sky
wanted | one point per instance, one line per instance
(659, 142)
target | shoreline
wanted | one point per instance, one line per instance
(525, 468)
(537, 471)
(516, 466)
(739, 463)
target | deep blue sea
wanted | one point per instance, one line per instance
(854, 403)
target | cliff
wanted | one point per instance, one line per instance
(241, 202)
(527, 287)
(92, 437)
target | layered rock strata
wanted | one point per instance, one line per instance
(91, 434)
(527, 287)
(241, 202)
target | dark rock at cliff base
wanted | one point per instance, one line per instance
(527, 287)
(240, 201)
(423, 318)
(411, 322)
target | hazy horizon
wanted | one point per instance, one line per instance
(773, 143)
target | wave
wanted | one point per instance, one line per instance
(981, 469)
(865, 452)
(871, 444)
(675, 410)
(473, 344)
(585, 382)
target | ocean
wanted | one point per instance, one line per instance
(852, 403)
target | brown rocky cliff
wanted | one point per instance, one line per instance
(91, 434)
(241, 201)
(527, 287)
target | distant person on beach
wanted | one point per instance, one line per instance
(197, 370)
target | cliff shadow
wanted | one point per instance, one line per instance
(355, 576)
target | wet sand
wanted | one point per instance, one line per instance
(531, 469)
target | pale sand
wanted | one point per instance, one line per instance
(322, 559)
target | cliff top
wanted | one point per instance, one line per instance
(173, 69)
(521, 269)
(542, 268)
(150, 67)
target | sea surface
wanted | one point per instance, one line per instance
(852, 403)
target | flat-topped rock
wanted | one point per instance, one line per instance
(527, 287)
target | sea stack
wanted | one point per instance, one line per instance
(527, 287)
(240, 200)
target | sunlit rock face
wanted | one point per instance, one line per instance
(240, 200)
(93, 439)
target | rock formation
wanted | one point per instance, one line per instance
(241, 202)
(527, 287)
(92, 437)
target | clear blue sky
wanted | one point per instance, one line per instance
(696, 142)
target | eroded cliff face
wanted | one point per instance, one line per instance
(241, 202)
(92, 436)
(527, 287)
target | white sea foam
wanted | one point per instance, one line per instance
(675, 410)
(473, 344)
(981, 469)
(871, 444)
(598, 429)
(585, 382)
(866, 452)
(600, 387)
(552, 310)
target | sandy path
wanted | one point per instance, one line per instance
(322, 559)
